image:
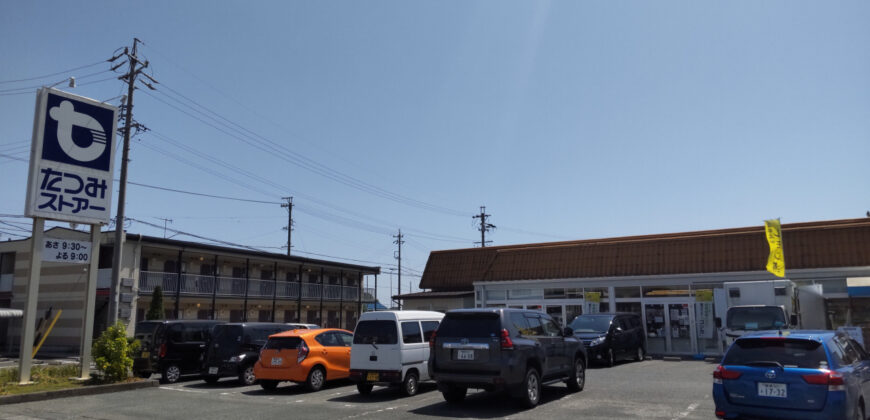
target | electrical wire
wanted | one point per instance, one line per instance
(53, 74)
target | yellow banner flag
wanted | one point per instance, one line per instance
(776, 259)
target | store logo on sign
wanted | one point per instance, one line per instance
(67, 118)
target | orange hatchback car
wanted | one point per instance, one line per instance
(311, 357)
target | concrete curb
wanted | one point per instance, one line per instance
(76, 392)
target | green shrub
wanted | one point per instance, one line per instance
(155, 309)
(113, 353)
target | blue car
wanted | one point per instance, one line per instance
(797, 374)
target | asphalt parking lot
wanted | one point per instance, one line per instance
(653, 389)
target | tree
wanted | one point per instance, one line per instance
(113, 353)
(155, 310)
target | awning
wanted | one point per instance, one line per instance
(11, 313)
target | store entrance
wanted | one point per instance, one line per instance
(669, 327)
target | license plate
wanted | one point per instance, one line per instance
(213, 370)
(465, 354)
(277, 361)
(372, 376)
(767, 389)
(146, 354)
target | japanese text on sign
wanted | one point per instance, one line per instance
(66, 250)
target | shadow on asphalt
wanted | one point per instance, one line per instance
(381, 394)
(489, 404)
(292, 388)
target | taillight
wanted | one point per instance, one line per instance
(722, 373)
(432, 340)
(303, 352)
(162, 350)
(834, 380)
(506, 343)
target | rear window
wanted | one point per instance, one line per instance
(259, 335)
(281, 343)
(375, 332)
(145, 327)
(476, 325)
(768, 352)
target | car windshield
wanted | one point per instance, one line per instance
(755, 318)
(591, 323)
(227, 336)
(375, 332)
(776, 351)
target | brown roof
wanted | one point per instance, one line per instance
(838, 243)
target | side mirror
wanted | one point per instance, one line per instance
(567, 332)
(793, 320)
(718, 322)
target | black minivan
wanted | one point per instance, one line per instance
(233, 349)
(609, 337)
(176, 349)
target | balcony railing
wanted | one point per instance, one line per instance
(199, 285)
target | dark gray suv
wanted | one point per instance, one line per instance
(496, 349)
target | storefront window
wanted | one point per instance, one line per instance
(666, 291)
(833, 286)
(604, 291)
(525, 293)
(627, 292)
(554, 293)
(631, 307)
(495, 295)
(573, 293)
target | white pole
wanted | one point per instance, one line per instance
(90, 297)
(28, 325)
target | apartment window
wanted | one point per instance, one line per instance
(236, 315)
(206, 270)
(203, 314)
(290, 316)
(264, 315)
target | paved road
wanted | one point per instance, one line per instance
(652, 389)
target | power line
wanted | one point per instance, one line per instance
(222, 197)
(53, 74)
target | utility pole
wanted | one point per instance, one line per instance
(136, 68)
(484, 226)
(399, 242)
(289, 227)
(165, 220)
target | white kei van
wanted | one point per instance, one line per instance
(392, 348)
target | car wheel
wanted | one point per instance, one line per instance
(246, 376)
(409, 385)
(268, 385)
(364, 389)
(170, 374)
(454, 394)
(610, 359)
(640, 354)
(577, 380)
(315, 379)
(211, 380)
(531, 388)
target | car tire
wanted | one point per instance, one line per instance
(316, 378)
(454, 394)
(640, 355)
(170, 374)
(364, 389)
(211, 380)
(531, 394)
(611, 360)
(411, 384)
(141, 374)
(268, 385)
(577, 380)
(246, 376)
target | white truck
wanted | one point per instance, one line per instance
(767, 305)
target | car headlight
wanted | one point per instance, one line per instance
(597, 341)
(237, 359)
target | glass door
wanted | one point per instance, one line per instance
(555, 312)
(680, 326)
(656, 328)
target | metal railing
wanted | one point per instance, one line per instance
(200, 285)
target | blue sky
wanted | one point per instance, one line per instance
(567, 120)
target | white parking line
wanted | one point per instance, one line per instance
(183, 390)
(374, 412)
(688, 411)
